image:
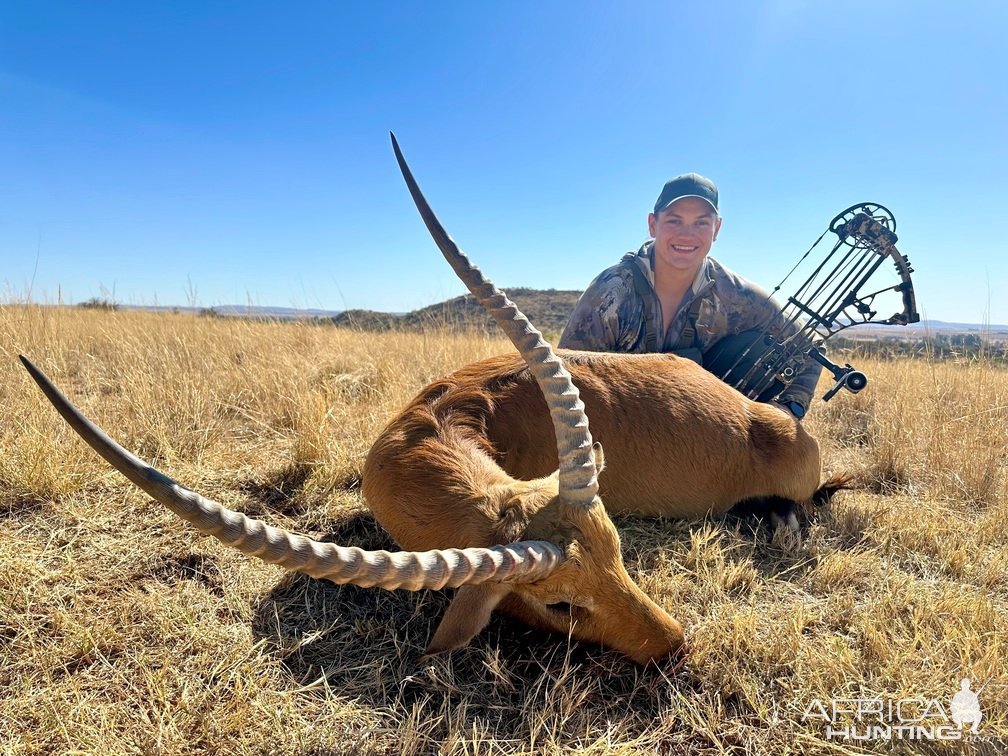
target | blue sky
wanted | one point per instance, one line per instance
(238, 152)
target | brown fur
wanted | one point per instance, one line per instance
(679, 442)
(471, 461)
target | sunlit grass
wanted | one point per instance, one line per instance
(123, 632)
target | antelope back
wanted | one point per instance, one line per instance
(678, 442)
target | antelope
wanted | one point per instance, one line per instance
(466, 480)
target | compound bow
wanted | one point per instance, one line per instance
(830, 301)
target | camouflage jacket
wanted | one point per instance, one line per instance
(610, 315)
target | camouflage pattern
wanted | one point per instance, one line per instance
(610, 316)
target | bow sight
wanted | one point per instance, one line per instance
(829, 301)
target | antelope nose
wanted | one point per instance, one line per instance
(667, 642)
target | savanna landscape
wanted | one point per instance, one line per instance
(122, 631)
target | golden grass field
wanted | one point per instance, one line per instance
(122, 631)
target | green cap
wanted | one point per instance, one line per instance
(687, 185)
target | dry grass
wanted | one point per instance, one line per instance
(122, 632)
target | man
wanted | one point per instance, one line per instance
(670, 296)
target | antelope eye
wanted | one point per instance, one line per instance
(565, 611)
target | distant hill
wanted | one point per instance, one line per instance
(928, 329)
(548, 309)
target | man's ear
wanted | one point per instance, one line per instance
(468, 613)
(652, 224)
(717, 227)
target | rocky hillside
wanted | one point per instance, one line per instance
(548, 309)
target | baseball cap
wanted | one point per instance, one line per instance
(687, 185)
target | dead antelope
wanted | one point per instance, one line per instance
(466, 477)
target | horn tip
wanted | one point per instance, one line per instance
(395, 148)
(33, 371)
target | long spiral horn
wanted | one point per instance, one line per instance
(521, 562)
(578, 476)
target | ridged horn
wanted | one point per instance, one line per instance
(522, 562)
(578, 476)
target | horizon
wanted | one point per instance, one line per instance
(282, 312)
(256, 167)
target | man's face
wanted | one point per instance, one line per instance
(684, 232)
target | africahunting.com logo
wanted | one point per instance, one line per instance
(914, 718)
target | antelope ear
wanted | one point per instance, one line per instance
(468, 613)
(599, 456)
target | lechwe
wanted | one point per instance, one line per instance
(467, 478)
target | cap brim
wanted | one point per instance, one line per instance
(667, 205)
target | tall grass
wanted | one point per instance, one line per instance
(123, 632)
